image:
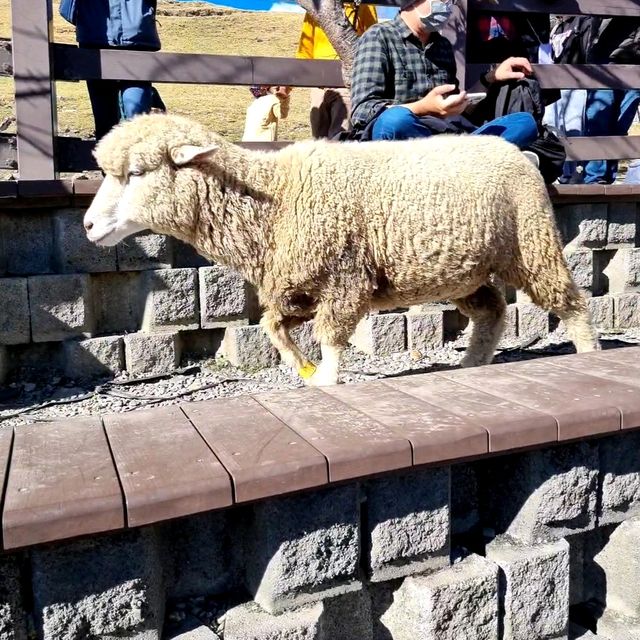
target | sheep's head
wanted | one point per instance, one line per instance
(140, 159)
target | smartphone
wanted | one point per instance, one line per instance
(474, 98)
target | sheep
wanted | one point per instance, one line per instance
(329, 230)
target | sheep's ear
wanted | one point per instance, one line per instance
(188, 153)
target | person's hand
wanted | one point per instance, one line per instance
(438, 103)
(512, 69)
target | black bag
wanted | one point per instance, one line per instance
(525, 95)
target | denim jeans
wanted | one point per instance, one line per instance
(400, 123)
(113, 100)
(608, 113)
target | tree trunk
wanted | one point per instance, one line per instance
(330, 15)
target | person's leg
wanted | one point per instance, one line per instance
(339, 105)
(103, 95)
(399, 123)
(318, 116)
(135, 98)
(601, 116)
(518, 128)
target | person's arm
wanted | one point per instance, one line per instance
(510, 69)
(370, 77)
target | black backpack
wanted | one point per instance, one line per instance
(525, 95)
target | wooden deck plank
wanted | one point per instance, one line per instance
(165, 467)
(629, 356)
(353, 444)
(62, 484)
(436, 435)
(612, 371)
(579, 403)
(6, 441)
(263, 456)
(510, 425)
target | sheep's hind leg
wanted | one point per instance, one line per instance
(277, 327)
(486, 309)
(334, 324)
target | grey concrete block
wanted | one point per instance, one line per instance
(224, 297)
(249, 622)
(304, 338)
(202, 554)
(616, 627)
(13, 625)
(622, 224)
(619, 478)
(465, 507)
(581, 263)
(510, 333)
(380, 334)
(348, 617)
(104, 587)
(425, 331)
(30, 250)
(454, 603)
(626, 310)
(303, 548)
(620, 563)
(145, 251)
(623, 271)
(94, 357)
(583, 224)
(117, 301)
(249, 348)
(534, 587)
(15, 323)
(61, 307)
(191, 629)
(184, 255)
(203, 343)
(35, 358)
(601, 309)
(171, 300)
(541, 495)
(408, 519)
(148, 353)
(532, 320)
(73, 253)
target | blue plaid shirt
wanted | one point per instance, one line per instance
(392, 66)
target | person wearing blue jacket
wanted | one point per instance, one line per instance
(115, 24)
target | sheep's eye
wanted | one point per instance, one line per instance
(135, 173)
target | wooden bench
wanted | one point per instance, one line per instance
(89, 475)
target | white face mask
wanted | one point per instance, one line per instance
(438, 17)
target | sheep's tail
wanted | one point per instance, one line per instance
(541, 269)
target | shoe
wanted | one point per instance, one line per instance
(533, 158)
(633, 173)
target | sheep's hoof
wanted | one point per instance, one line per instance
(321, 379)
(473, 361)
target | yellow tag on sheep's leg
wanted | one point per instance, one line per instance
(307, 371)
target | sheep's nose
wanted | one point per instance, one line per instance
(88, 225)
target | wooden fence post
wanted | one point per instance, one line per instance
(32, 30)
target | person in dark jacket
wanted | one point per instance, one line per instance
(611, 112)
(116, 24)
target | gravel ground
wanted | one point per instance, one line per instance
(44, 400)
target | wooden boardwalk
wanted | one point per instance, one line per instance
(90, 475)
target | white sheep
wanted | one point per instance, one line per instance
(329, 231)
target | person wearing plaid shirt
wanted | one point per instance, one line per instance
(404, 81)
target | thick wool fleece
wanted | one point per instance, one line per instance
(333, 229)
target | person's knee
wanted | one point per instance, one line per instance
(393, 124)
(135, 100)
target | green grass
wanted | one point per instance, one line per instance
(217, 31)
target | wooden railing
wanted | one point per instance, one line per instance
(40, 154)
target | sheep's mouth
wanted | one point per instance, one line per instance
(100, 240)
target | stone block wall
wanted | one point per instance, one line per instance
(535, 545)
(82, 310)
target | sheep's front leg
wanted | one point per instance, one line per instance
(277, 327)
